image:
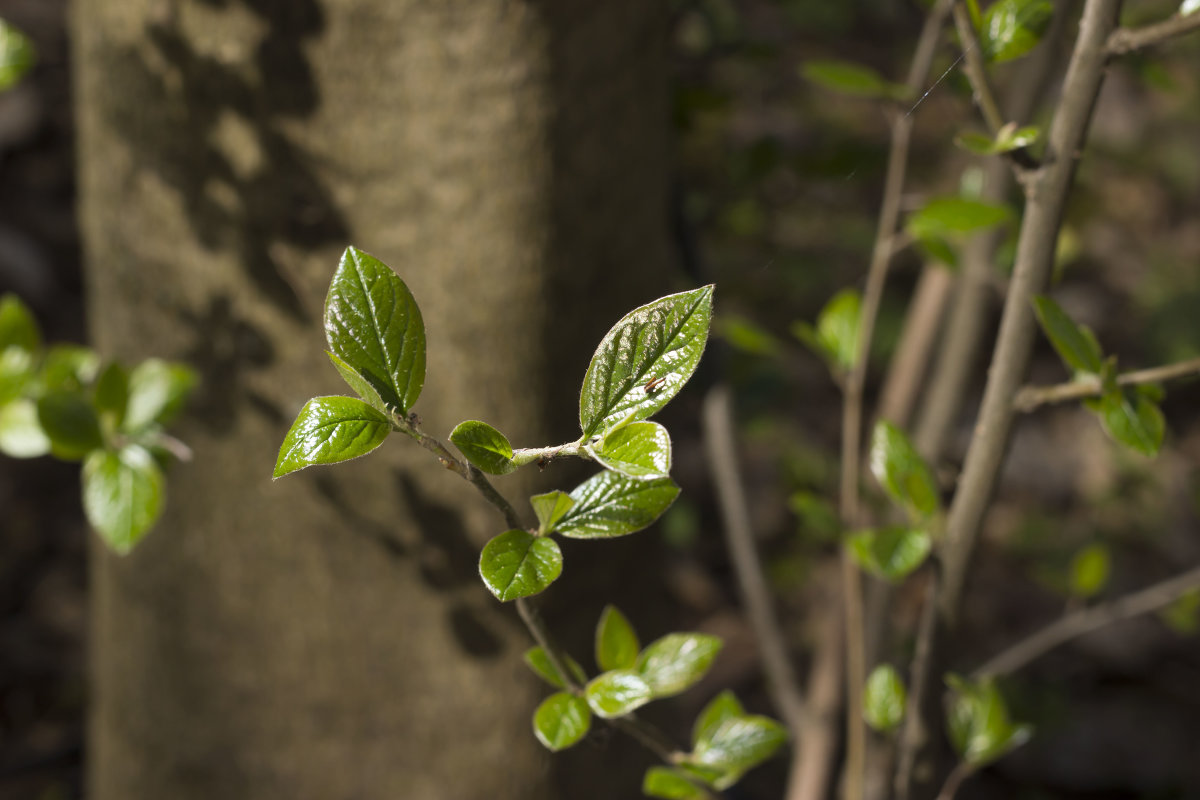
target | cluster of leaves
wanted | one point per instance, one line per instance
(376, 342)
(65, 401)
(1130, 415)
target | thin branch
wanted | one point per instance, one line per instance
(1030, 397)
(1076, 624)
(976, 70)
(852, 407)
(739, 538)
(960, 773)
(1127, 40)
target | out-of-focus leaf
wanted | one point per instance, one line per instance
(835, 337)
(158, 391)
(950, 216)
(739, 743)
(617, 644)
(676, 661)
(671, 784)
(722, 707)
(1183, 616)
(745, 335)
(616, 693)
(1189, 7)
(540, 663)
(979, 724)
(901, 471)
(70, 422)
(1131, 416)
(123, 494)
(849, 78)
(1009, 138)
(17, 55)
(1011, 28)
(890, 553)
(884, 698)
(1089, 571)
(1075, 344)
(18, 328)
(21, 435)
(561, 720)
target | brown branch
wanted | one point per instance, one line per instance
(1127, 40)
(1076, 624)
(960, 773)
(976, 70)
(739, 539)
(1047, 190)
(921, 324)
(1030, 397)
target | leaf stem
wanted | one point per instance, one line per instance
(1078, 623)
(1030, 397)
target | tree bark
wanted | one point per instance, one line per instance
(326, 636)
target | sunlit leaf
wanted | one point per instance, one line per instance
(329, 430)
(158, 391)
(540, 663)
(835, 337)
(617, 692)
(561, 720)
(676, 661)
(722, 707)
(123, 494)
(17, 55)
(1011, 28)
(484, 446)
(671, 784)
(21, 435)
(550, 508)
(611, 504)
(644, 360)
(617, 644)
(740, 743)
(638, 450)
(518, 564)
(884, 698)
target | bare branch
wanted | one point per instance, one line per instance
(1030, 397)
(1127, 40)
(1074, 625)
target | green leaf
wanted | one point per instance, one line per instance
(901, 471)
(359, 384)
(739, 743)
(374, 325)
(644, 360)
(21, 435)
(818, 519)
(1089, 571)
(18, 328)
(16, 55)
(979, 723)
(884, 699)
(1132, 418)
(745, 335)
(639, 450)
(853, 79)
(550, 508)
(111, 395)
(540, 663)
(1183, 616)
(1007, 139)
(484, 446)
(617, 692)
(1011, 28)
(70, 422)
(616, 642)
(890, 553)
(1076, 344)
(671, 784)
(158, 391)
(722, 707)
(1189, 7)
(939, 251)
(123, 494)
(518, 564)
(329, 430)
(610, 504)
(16, 372)
(836, 336)
(561, 720)
(948, 216)
(68, 367)
(677, 661)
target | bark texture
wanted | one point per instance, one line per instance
(326, 636)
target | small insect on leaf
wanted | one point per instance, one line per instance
(652, 386)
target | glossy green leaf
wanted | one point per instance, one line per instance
(618, 692)
(111, 395)
(884, 698)
(949, 216)
(671, 784)
(70, 422)
(123, 494)
(901, 471)
(740, 743)
(638, 450)
(677, 661)
(18, 328)
(890, 553)
(158, 391)
(373, 324)
(359, 384)
(1132, 418)
(484, 446)
(540, 663)
(1006, 140)
(518, 564)
(329, 430)
(550, 508)
(21, 434)
(617, 644)
(1090, 570)
(853, 79)
(610, 504)
(16, 55)
(835, 337)
(644, 360)
(722, 707)
(1011, 28)
(1075, 344)
(979, 724)
(16, 373)
(561, 720)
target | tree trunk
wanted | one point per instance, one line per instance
(326, 636)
